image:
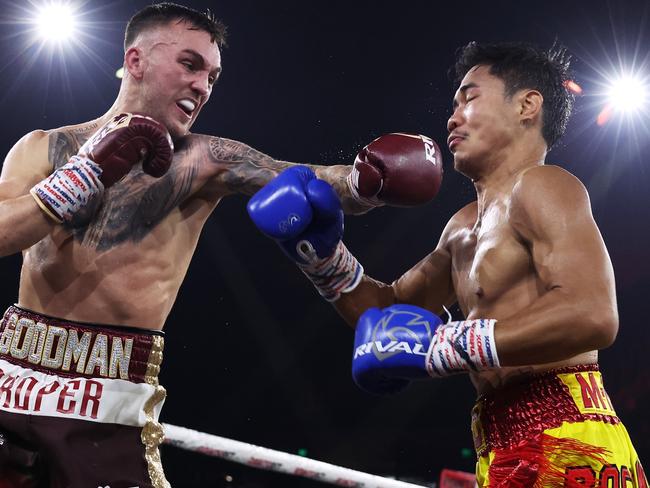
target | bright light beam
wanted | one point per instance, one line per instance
(55, 22)
(628, 94)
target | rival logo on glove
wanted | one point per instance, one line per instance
(285, 226)
(415, 327)
(393, 347)
(429, 150)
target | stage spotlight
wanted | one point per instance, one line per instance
(627, 94)
(55, 22)
(624, 96)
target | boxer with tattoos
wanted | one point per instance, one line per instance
(107, 214)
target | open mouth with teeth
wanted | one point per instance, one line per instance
(186, 106)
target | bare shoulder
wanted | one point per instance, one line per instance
(466, 216)
(42, 142)
(64, 142)
(547, 181)
(461, 221)
(546, 198)
(28, 156)
(34, 140)
(37, 154)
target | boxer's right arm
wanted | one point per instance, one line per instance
(22, 223)
(105, 158)
(428, 285)
(287, 211)
(57, 193)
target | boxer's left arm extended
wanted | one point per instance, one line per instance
(394, 169)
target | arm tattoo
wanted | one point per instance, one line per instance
(246, 170)
(62, 146)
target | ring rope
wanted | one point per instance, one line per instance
(268, 459)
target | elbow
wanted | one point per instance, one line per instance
(604, 327)
(596, 313)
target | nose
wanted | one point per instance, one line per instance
(453, 121)
(201, 85)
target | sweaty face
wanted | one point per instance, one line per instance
(483, 122)
(181, 66)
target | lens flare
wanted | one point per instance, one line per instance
(628, 93)
(55, 22)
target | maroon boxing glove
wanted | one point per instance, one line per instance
(104, 159)
(397, 169)
(126, 140)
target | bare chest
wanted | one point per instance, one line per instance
(138, 205)
(490, 264)
(133, 209)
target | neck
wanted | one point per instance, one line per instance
(500, 178)
(125, 102)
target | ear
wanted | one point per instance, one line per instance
(530, 106)
(134, 62)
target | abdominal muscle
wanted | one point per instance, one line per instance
(132, 284)
(487, 381)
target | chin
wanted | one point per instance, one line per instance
(178, 133)
(460, 162)
(176, 129)
(465, 166)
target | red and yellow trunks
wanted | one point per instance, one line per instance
(555, 429)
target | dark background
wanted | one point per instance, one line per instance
(252, 353)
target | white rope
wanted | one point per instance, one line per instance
(263, 458)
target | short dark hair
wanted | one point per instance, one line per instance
(522, 66)
(166, 12)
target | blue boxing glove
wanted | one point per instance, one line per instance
(403, 342)
(304, 216)
(390, 347)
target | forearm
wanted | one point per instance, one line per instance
(369, 293)
(337, 177)
(251, 174)
(22, 224)
(246, 170)
(557, 326)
